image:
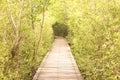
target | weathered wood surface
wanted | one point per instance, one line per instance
(58, 64)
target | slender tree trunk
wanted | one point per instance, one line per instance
(18, 38)
(33, 28)
(41, 29)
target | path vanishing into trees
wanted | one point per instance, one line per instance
(58, 64)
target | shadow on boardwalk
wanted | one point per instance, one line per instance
(58, 64)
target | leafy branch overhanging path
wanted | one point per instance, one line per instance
(58, 64)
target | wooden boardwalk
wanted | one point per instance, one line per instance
(58, 64)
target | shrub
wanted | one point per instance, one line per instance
(60, 29)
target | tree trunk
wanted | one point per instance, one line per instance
(41, 30)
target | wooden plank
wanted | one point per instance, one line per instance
(58, 64)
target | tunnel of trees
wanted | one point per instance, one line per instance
(60, 29)
(27, 28)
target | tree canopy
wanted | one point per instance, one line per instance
(26, 35)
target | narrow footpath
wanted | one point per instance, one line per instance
(58, 64)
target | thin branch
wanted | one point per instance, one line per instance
(15, 27)
(41, 30)
(20, 14)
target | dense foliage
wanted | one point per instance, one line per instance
(26, 35)
(95, 34)
(60, 29)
